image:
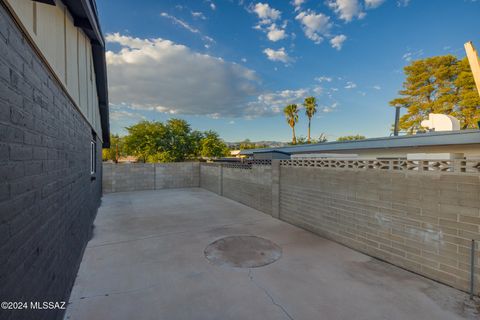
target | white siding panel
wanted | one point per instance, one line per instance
(51, 36)
(66, 49)
(89, 83)
(24, 11)
(82, 72)
(72, 59)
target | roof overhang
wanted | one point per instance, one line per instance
(272, 151)
(419, 140)
(85, 17)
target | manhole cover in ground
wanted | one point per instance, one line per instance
(243, 252)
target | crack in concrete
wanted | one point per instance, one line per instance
(269, 295)
(166, 234)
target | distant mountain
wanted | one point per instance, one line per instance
(258, 144)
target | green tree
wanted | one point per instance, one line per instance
(146, 139)
(441, 84)
(351, 138)
(212, 146)
(310, 105)
(155, 141)
(116, 149)
(181, 143)
(291, 113)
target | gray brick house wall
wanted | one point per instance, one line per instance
(48, 199)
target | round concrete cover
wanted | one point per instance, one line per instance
(242, 252)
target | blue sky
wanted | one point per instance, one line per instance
(232, 65)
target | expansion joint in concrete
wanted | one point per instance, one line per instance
(269, 295)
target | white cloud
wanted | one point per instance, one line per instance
(198, 15)
(212, 4)
(267, 17)
(337, 41)
(329, 108)
(186, 26)
(277, 55)
(118, 115)
(244, 60)
(350, 85)
(297, 4)
(157, 74)
(265, 13)
(323, 79)
(377, 87)
(412, 55)
(403, 3)
(347, 9)
(372, 4)
(314, 25)
(273, 103)
(318, 90)
(275, 34)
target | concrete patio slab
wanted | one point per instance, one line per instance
(146, 261)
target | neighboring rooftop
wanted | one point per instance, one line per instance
(444, 138)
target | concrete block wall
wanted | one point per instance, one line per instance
(149, 176)
(423, 222)
(48, 200)
(252, 187)
(128, 177)
(211, 177)
(177, 175)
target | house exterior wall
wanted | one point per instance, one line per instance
(65, 48)
(48, 197)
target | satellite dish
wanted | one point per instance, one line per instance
(441, 122)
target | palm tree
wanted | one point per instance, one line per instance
(310, 105)
(291, 113)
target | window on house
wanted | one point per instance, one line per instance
(93, 156)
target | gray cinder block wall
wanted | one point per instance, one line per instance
(47, 198)
(423, 222)
(420, 220)
(211, 177)
(252, 187)
(149, 176)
